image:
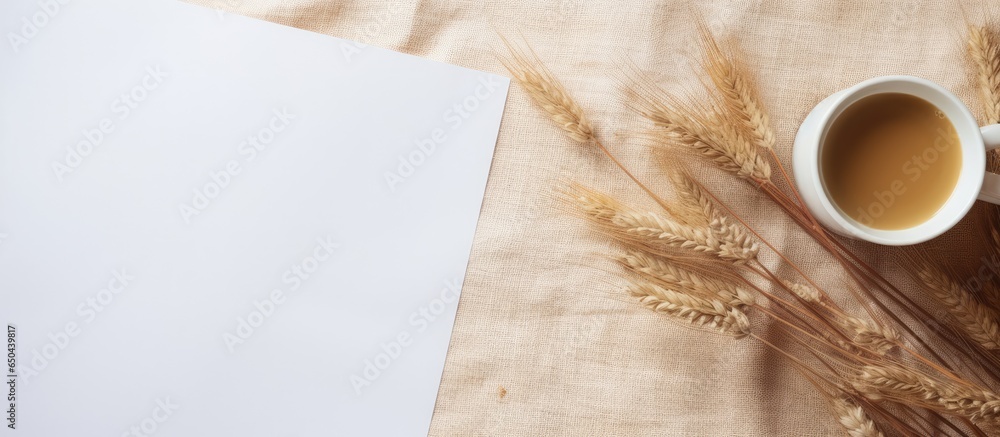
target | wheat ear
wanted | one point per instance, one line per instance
(900, 384)
(803, 291)
(863, 334)
(671, 276)
(713, 139)
(715, 241)
(991, 294)
(549, 93)
(656, 230)
(985, 53)
(975, 319)
(735, 240)
(854, 419)
(709, 313)
(695, 206)
(870, 336)
(738, 92)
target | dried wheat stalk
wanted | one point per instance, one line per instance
(669, 275)
(710, 313)
(738, 93)
(804, 291)
(979, 322)
(550, 94)
(697, 208)
(719, 239)
(870, 336)
(721, 144)
(984, 49)
(862, 333)
(854, 419)
(896, 382)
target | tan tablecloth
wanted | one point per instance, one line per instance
(542, 314)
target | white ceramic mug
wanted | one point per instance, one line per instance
(973, 181)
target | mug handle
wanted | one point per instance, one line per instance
(991, 182)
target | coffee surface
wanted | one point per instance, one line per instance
(890, 161)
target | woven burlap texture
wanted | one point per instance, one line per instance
(546, 342)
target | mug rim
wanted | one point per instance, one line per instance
(967, 187)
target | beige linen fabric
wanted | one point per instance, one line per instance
(542, 313)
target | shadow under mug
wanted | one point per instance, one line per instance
(974, 182)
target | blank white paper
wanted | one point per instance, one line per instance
(213, 225)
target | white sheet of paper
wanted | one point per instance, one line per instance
(213, 225)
